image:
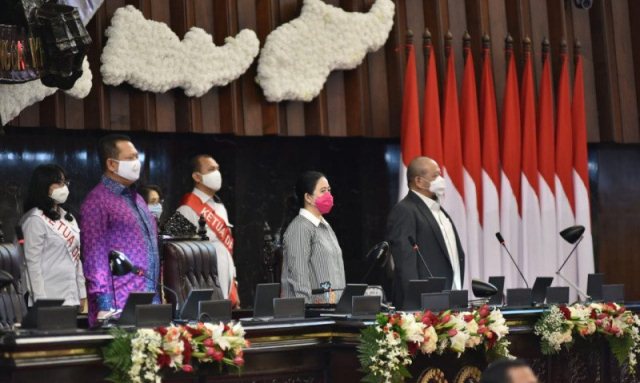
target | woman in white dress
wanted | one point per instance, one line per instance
(52, 240)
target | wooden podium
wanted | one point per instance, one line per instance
(310, 351)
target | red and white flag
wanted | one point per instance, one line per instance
(530, 205)
(581, 177)
(472, 170)
(511, 159)
(452, 145)
(547, 169)
(490, 207)
(410, 123)
(564, 170)
(431, 127)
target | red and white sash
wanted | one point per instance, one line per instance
(217, 225)
(68, 232)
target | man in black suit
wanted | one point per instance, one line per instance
(419, 215)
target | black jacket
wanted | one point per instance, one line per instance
(412, 217)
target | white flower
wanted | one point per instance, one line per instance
(430, 343)
(498, 324)
(151, 57)
(14, 98)
(413, 330)
(299, 55)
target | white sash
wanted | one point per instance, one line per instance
(68, 231)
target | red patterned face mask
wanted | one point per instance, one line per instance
(324, 203)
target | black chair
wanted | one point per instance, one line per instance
(12, 304)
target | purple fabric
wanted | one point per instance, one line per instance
(114, 217)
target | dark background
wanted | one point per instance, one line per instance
(257, 175)
(259, 172)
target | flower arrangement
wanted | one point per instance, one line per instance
(150, 56)
(386, 349)
(142, 356)
(562, 325)
(298, 56)
(16, 97)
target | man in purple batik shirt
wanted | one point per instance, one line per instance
(115, 217)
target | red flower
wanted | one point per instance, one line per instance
(429, 319)
(163, 360)
(468, 318)
(218, 356)
(193, 331)
(238, 361)
(482, 322)
(482, 330)
(565, 311)
(161, 330)
(593, 314)
(446, 318)
(491, 340)
(453, 332)
(484, 311)
(210, 351)
(413, 348)
(208, 342)
(188, 350)
(187, 368)
(598, 322)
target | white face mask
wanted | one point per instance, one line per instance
(60, 195)
(437, 186)
(129, 170)
(212, 180)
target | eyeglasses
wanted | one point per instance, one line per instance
(66, 182)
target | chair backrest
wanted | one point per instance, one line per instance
(188, 265)
(12, 305)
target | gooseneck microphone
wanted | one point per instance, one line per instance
(501, 240)
(416, 249)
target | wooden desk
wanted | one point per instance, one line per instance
(311, 351)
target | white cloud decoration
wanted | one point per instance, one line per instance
(151, 57)
(14, 98)
(298, 56)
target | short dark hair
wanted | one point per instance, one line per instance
(195, 162)
(498, 371)
(145, 191)
(107, 147)
(42, 178)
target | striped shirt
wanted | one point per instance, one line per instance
(312, 256)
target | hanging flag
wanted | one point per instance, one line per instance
(529, 202)
(564, 168)
(581, 176)
(472, 166)
(490, 206)
(511, 171)
(410, 123)
(431, 128)
(547, 169)
(452, 149)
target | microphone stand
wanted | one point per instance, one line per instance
(573, 285)
(140, 273)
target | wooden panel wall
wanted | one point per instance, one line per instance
(365, 101)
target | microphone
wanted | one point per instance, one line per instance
(413, 244)
(120, 265)
(325, 287)
(501, 240)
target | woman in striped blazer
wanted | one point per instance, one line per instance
(312, 255)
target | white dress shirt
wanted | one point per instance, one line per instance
(226, 268)
(53, 273)
(446, 228)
